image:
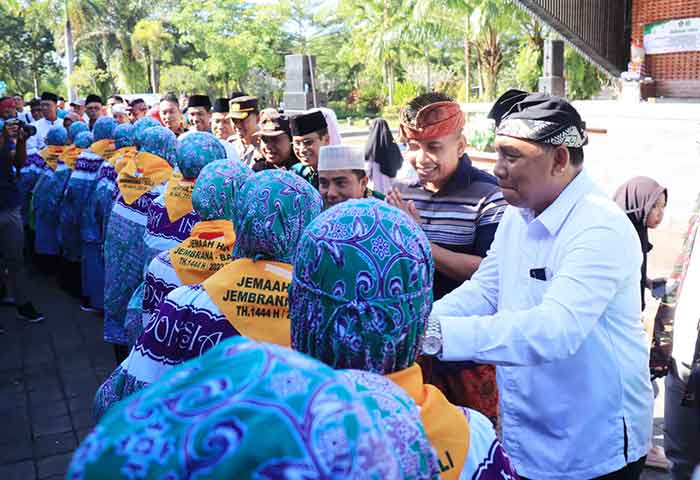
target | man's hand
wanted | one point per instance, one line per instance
(21, 135)
(393, 197)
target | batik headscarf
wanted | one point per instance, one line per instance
(214, 192)
(56, 139)
(159, 141)
(83, 140)
(75, 128)
(539, 117)
(195, 151)
(140, 128)
(103, 135)
(272, 210)
(253, 410)
(124, 136)
(361, 289)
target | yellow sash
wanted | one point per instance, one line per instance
(104, 148)
(178, 197)
(70, 155)
(51, 154)
(204, 252)
(121, 156)
(253, 297)
(141, 174)
(446, 425)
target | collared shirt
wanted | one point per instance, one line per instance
(231, 152)
(571, 353)
(38, 141)
(248, 153)
(461, 217)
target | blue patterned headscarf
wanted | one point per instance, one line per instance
(215, 190)
(159, 141)
(75, 128)
(123, 136)
(83, 140)
(140, 128)
(195, 150)
(104, 128)
(361, 289)
(252, 410)
(57, 136)
(272, 210)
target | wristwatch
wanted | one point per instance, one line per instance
(432, 341)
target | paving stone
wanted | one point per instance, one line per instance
(49, 426)
(82, 433)
(54, 444)
(49, 394)
(16, 451)
(15, 429)
(55, 465)
(45, 383)
(84, 402)
(83, 419)
(49, 410)
(18, 471)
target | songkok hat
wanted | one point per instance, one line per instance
(239, 108)
(273, 126)
(308, 123)
(540, 118)
(340, 157)
(49, 96)
(199, 101)
(92, 98)
(220, 105)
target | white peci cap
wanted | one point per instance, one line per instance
(340, 157)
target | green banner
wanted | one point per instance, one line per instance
(672, 36)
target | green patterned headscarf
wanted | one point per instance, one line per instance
(195, 150)
(215, 190)
(248, 410)
(361, 290)
(272, 210)
(140, 127)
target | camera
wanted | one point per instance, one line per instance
(29, 130)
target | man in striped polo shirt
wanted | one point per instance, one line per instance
(458, 207)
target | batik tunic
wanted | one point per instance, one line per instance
(29, 175)
(254, 410)
(46, 203)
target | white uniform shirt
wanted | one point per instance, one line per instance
(38, 141)
(571, 353)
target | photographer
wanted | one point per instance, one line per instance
(13, 153)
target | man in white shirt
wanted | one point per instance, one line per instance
(555, 306)
(49, 106)
(222, 127)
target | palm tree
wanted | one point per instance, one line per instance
(150, 39)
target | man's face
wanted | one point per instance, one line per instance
(436, 160)
(277, 149)
(526, 172)
(137, 111)
(306, 147)
(170, 115)
(77, 109)
(93, 110)
(37, 112)
(121, 118)
(7, 112)
(221, 125)
(246, 128)
(111, 102)
(61, 104)
(48, 109)
(19, 101)
(336, 186)
(199, 118)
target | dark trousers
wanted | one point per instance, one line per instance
(630, 472)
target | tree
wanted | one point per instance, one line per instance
(583, 79)
(151, 40)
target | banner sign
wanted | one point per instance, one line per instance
(672, 36)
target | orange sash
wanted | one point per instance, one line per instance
(141, 174)
(51, 154)
(446, 425)
(120, 157)
(204, 252)
(178, 197)
(253, 297)
(104, 148)
(70, 155)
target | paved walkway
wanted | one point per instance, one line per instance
(48, 376)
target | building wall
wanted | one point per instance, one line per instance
(676, 74)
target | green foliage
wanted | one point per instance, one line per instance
(407, 91)
(583, 80)
(528, 68)
(482, 135)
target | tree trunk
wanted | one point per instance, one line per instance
(467, 62)
(427, 64)
(155, 76)
(70, 56)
